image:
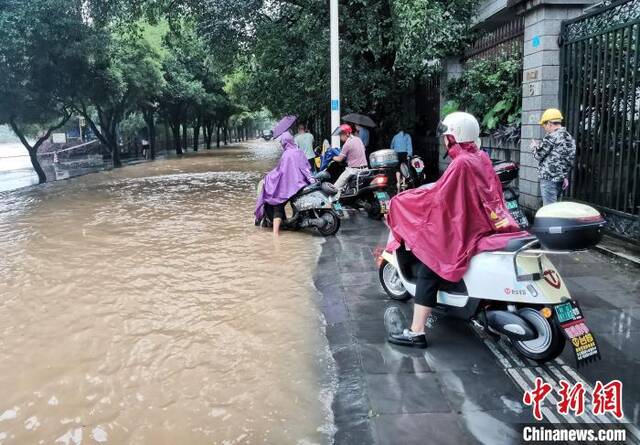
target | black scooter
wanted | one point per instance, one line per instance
(507, 172)
(368, 189)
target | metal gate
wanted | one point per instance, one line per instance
(600, 93)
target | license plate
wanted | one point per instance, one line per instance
(382, 196)
(337, 206)
(568, 312)
(512, 205)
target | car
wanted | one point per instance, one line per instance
(267, 135)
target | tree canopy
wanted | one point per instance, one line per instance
(387, 46)
(212, 63)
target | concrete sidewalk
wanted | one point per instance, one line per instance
(464, 388)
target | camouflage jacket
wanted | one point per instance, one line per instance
(555, 155)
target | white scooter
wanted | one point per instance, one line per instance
(517, 293)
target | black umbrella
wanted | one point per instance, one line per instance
(359, 119)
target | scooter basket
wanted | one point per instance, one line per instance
(568, 226)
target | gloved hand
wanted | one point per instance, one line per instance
(565, 184)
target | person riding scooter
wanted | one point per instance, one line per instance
(442, 225)
(290, 175)
(353, 152)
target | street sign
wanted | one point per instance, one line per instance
(59, 138)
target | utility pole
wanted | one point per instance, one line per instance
(335, 71)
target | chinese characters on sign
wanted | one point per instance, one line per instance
(605, 398)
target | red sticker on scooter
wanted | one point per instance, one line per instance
(551, 277)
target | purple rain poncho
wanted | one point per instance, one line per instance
(290, 175)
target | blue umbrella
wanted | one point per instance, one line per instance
(284, 124)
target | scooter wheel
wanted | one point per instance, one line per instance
(390, 281)
(375, 210)
(550, 341)
(332, 226)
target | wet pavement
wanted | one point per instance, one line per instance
(464, 388)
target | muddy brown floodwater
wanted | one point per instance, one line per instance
(142, 306)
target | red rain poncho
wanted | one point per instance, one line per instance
(446, 225)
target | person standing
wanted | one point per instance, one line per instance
(555, 155)
(353, 152)
(305, 141)
(403, 146)
(363, 134)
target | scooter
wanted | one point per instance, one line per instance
(412, 173)
(507, 172)
(313, 206)
(516, 293)
(367, 189)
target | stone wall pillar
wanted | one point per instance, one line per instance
(541, 82)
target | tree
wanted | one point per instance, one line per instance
(123, 76)
(42, 42)
(387, 48)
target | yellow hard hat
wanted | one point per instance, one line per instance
(551, 114)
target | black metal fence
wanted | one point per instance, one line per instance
(505, 39)
(600, 93)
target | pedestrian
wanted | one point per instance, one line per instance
(304, 140)
(363, 134)
(555, 155)
(353, 152)
(403, 146)
(145, 148)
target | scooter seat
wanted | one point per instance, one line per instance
(518, 243)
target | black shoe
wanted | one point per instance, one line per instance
(408, 338)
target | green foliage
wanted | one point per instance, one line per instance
(491, 90)
(386, 47)
(451, 106)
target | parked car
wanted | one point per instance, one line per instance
(267, 135)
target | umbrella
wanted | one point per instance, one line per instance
(284, 124)
(359, 119)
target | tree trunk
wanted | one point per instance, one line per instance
(33, 155)
(115, 151)
(225, 131)
(184, 137)
(218, 136)
(152, 140)
(175, 129)
(196, 137)
(33, 150)
(209, 128)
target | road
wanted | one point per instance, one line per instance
(464, 388)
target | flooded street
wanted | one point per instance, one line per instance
(142, 306)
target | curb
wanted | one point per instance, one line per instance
(631, 259)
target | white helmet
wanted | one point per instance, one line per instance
(462, 126)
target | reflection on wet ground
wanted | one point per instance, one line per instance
(142, 306)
